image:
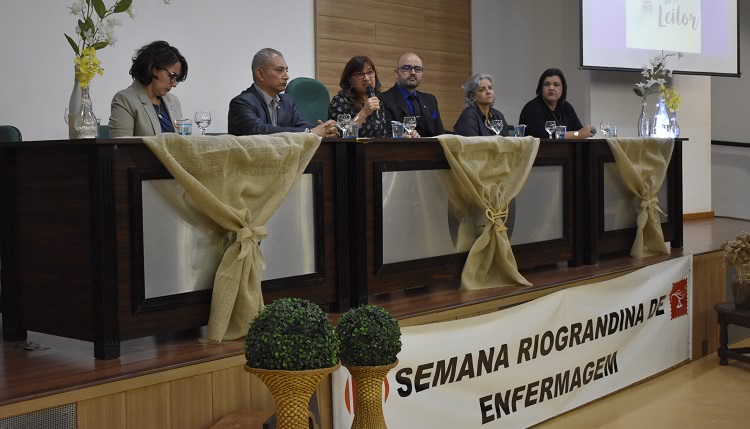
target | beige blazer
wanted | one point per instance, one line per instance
(134, 115)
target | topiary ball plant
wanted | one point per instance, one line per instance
(369, 336)
(291, 334)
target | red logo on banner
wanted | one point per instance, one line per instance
(678, 299)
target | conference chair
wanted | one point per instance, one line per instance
(103, 131)
(311, 97)
(9, 134)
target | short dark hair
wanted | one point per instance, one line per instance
(263, 58)
(156, 55)
(354, 65)
(553, 72)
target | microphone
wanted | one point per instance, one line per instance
(371, 93)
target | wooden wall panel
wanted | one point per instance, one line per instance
(194, 396)
(103, 412)
(235, 389)
(709, 289)
(148, 407)
(439, 31)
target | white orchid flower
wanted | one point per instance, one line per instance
(131, 11)
(78, 7)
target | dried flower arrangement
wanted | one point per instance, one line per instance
(737, 253)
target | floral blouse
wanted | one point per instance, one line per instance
(372, 127)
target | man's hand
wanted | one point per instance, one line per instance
(326, 129)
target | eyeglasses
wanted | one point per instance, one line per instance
(172, 76)
(361, 75)
(408, 69)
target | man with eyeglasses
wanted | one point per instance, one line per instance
(263, 109)
(404, 99)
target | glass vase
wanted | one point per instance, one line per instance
(674, 127)
(86, 126)
(660, 127)
(74, 105)
(643, 129)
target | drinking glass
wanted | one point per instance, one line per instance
(550, 127)
(203, 120)
(342, 121)
(496, 125)
(397, 129)
(560, 131)
(604, 126)
(410, 124)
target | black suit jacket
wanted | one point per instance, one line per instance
(248, 115)
(429, 123)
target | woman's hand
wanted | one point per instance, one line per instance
(371, 105)
(586, 132)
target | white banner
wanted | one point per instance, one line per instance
(523, 365)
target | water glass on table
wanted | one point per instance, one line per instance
(550, 127)
(410, 124)
(605, 126)
(397, 129)
(342, 121)
(352, 130)
(560, 132)
(521, 130)
(184, 127)
(203, 120)
(496, 125)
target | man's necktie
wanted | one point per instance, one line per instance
(274, 111)
(415, 104)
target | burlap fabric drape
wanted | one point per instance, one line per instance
(642, 163)
(239, 182)
(491, 171)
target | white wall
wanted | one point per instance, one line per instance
(218, 39)
(517, 41)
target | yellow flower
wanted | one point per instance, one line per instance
(671, 98)
(87, 66)
(95, 30)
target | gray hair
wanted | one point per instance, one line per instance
(472, 85)
(263, 58)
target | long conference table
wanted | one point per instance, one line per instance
(98, 243)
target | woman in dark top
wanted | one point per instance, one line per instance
(550, 105)
(358, 76)
(479, 96)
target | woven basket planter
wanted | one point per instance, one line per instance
(368, 385)
(292, 391)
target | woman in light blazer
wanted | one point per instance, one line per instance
(146, 108)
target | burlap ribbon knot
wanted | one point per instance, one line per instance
(653, 202)
(497, 217)
(248, 236)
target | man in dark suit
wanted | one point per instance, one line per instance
(404, 99)
(263, 109)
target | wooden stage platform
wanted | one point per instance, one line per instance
(179, 381)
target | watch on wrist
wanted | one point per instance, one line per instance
(575, 133)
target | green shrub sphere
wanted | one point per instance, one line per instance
(291, 334)
(369, 336)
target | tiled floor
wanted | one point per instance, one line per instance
(701, 394)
